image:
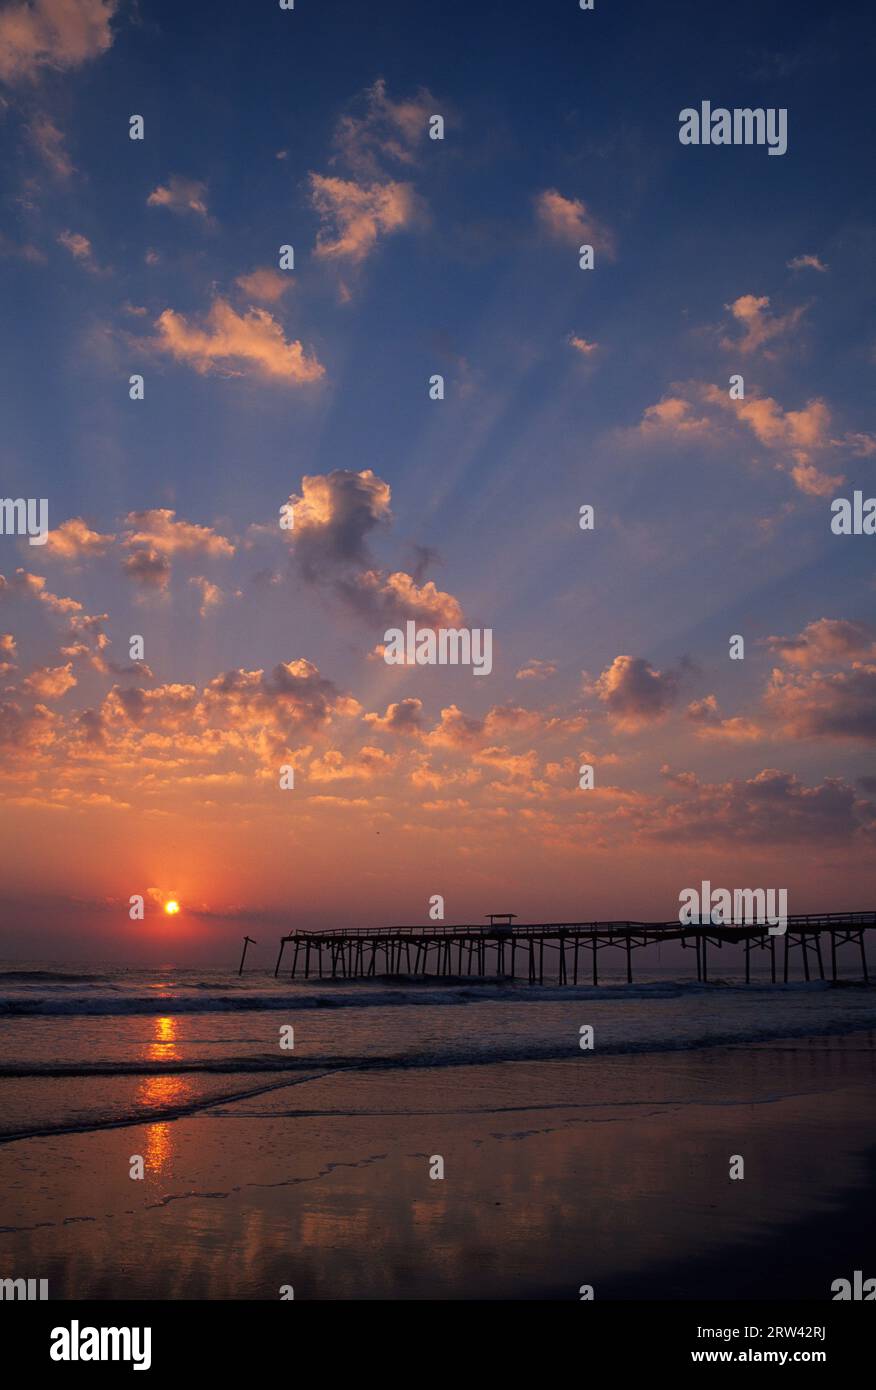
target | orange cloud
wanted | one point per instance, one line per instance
(211, 594)
(50, 682)
(839, 705)
(828, 641)
(634, 693)
(232, 343)
(368, 764)
(536, 670)
(75, 540)
(582, 346)
(405, 717)
(159, 529)
(673, 416)
(387, 131)
(48, 141)
(396, 596)
(710, 724)
(761, 327)
(570, 220)
(8, 653)
(79, 246)
(54, 34)
(180, 195)
(148, 568)
(355, 216)
(807, 263)
(265, 284)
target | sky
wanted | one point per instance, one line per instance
(304, 393)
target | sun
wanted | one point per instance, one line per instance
(171, 907)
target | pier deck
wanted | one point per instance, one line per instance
(518, 952)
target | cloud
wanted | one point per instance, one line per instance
(582, 346)
(803, 434)
(839, 705)
(293, 698)
(354, 216)
(55, 34)
(685, 780)
(159, 529)
(22, 730)
(356, 212)
(761, 327)
(166, 707)
(368, 764)
(392, 598)
(803, 437)
(50, 682)
(79, 247)
(180, 195)
(674, 418)
(26, 585)
(826, 642)
(570, 220)
(333, 517)
(74, 540)
(771, 808)
(456, 730)
(211, 594)
(148, 568)
(8, 653)
(265, 284)
(710, 724)
(861, 445)
(536, 670)
(405, 717)
(387, 131)
(519, 767)
(48, 141)
(24, 251)
(807, 263)
(634, 693)
(460, 731)
(233, 344)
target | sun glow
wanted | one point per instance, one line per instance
(171, 907)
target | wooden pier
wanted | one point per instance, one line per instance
(507, 952)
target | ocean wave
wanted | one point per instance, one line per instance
(461, 1052)
(371, 995)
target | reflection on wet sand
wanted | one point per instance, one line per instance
(157, 1092)
(554, 1177)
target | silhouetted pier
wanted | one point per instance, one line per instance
(505, 951)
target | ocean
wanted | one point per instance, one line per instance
(312, 1165)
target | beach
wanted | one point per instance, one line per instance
(309, 1169)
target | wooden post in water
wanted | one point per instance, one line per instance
(279, 957)
(246, 941)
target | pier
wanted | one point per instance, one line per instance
(570, 950)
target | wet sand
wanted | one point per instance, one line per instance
(612, 1172)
